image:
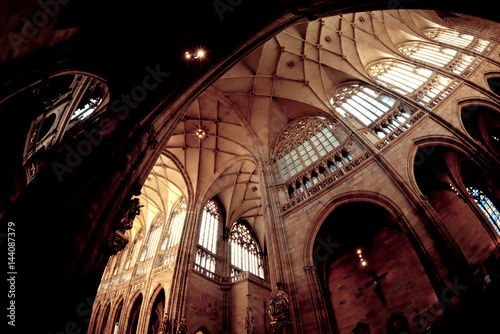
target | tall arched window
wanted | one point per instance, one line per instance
(245, 251)
(152, 238)
(207, 241)
(449, 59)
(303, 143)
(457, 39)
(362, 102)
(487, 207)
(134, 250)
(420, 84)
(173, 233)
(67, 100)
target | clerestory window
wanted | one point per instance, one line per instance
(245, 251)
(487, 207)
(303, 143)
(152, 238)
(173, 233)
(457, 39)
(207, 241)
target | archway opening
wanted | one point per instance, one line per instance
(134, 316)
(483, 124)
(103, 324)
(157, 312)
(116, 320)
(369, 269)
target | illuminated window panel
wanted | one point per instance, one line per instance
(245, 251)
(302, 144)
(173, 234)
(487, 207)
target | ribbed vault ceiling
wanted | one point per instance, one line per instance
(242, 114)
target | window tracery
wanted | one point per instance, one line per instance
(207, 241)
(173, 233)
(303, 143)
(67, 101)
(152, 238)
(487, 207)
(457, 39)
(418, 83)
(245, 252)
(449, 59)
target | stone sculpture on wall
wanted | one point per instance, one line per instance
(279, 310)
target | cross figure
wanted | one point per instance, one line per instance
(378, 289)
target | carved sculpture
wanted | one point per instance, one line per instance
(279, 309)
(182, 326)
(127, 221)
(249, 326)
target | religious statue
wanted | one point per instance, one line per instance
(249, 326)
(182, 326)
(164, 325)
(127, 221)
(279, 309)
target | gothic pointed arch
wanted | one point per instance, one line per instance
(156, 310)
(453, 184)
(377, 275)
(481, 120)
(133, 313)
(246, 253)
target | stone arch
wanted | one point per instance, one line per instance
(429, 144)
(103, 322)
(354, 196)
(480, 119)
(442, 177)
(373, 223)
(493, 81)
(117, 314)
(202, 330)
(133, 313)
(155, 309)
(95, 318)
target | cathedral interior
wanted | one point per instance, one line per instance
(235, 166)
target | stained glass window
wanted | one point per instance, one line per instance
(245, 252)
(487, 207)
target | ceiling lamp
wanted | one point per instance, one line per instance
(198, 54)
(200, 133)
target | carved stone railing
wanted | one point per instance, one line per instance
(207, 273)
(399, 130)
(325, 183)
(444, 93)
(233, 279)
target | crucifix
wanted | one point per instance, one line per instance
(378, 289)
(376, 279)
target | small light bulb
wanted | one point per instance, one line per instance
(188, 55)
(359, 251)
(201, 53)
(363, 263)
